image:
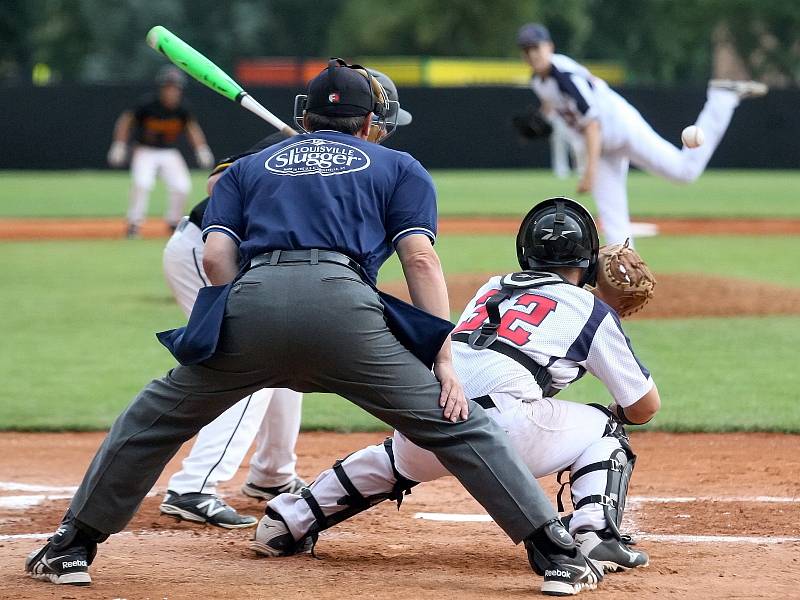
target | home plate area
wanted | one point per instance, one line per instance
(717, 513)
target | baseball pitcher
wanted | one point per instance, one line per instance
(614, 132)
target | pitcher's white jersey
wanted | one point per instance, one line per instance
(579, 97)
(560, 326)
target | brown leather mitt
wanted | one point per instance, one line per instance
(624, 281)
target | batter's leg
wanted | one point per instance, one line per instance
(179, 183)
(611, 194)
(274, 461)
(221, 446)
(651, 152)
(183, 265)
(144, 166)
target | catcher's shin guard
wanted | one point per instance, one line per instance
(619, 467)
(354, 501)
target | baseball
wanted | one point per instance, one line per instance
(692, 136)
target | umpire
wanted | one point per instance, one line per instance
(295, 235)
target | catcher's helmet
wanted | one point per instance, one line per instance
(559, 232)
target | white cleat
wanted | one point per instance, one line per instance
(743, 89)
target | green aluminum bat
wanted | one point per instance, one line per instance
(206, 72)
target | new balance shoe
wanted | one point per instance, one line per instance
(743, 89)
(553, 554)
(268, 493)
(273, 538)
(605, 549)
(68, 566)
(205, 508)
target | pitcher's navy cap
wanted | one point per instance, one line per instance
(532, 34)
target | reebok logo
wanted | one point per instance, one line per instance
(557, 573)
(317, 157)
(74, 563)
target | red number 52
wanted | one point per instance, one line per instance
(528, 308)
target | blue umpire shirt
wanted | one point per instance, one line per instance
(325, 190)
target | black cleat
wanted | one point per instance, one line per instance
(69, 566)
(553, 554)
(132, 232)
(205, 508)
(604, 549)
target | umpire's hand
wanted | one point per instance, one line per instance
(452, 398)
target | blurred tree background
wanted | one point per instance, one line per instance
(656, 41)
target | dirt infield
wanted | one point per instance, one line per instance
(114, 228)
(718, 514)
(676, 296)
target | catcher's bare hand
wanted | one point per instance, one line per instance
(452, 398)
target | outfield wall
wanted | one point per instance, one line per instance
(69, 127)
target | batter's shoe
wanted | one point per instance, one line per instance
(552, 553)
(205, 508)
(273, 538)
(606, 550)
(743, 89)
(68, 566)
(268, 493)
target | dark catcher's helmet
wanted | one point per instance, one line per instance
(559, 232)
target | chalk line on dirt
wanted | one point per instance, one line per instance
(16, 486)
(20, 502)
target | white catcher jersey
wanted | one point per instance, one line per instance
(560, 326)
(579, 97)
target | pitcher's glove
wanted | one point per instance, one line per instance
(531, 124)
(624, 281)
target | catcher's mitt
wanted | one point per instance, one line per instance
(531, 124)
(624, 281)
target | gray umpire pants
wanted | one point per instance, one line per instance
(309, 328)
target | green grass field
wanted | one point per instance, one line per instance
(79, 316)
(716, 193)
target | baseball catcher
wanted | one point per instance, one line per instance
(523, 338)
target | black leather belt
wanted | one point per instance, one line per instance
(309, 257)
(485, 401)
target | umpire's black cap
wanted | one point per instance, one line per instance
(532, 34)
(340, 91)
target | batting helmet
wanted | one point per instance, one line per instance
(169, 75)
(559, 232)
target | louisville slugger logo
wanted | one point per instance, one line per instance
(317, 157)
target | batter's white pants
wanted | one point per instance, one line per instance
(272, 416)
(549, 435)
(649, 151)
(146, 163)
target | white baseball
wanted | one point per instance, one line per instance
(692, 136)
